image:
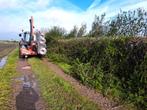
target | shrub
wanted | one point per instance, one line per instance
(116, 66)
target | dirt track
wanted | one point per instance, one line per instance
(94, 96)
(26, 95)
(26, 92)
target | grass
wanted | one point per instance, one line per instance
(60, 60)
(64, 66)
(58, 93)
(6, 75)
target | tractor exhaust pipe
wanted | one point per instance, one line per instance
(31, 28)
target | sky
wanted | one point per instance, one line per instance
(15, 14)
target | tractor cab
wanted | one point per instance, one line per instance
(25, 38)
(27, 46)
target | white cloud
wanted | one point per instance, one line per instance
(59, 17)
(39, 9)
(43, 3)
(5, 4)
(94, 4)
(142, 3)
(48, 13)
(24, 4)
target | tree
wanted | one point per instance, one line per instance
(55, 33)
(130, 23)
(82, 30)
(98, 26)
(73, 32)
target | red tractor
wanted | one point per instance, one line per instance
(32, 43)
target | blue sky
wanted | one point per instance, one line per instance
(83, 4)
(14, 14)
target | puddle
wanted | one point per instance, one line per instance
(20, 79)
(3, 62)
(26, 83)
(26, 67)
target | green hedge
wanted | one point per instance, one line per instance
(116, 66)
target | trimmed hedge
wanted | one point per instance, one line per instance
(116, 66)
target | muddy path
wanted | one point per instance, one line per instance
(26, 95)
(91, 94)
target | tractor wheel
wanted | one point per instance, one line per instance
(39, 56)
(21, 56)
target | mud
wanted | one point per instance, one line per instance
(26, 91)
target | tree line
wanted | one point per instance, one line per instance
(126, 23)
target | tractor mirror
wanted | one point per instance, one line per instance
(19, 35)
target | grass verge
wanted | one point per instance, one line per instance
(61, 61)
(58, 93)
(6, 75)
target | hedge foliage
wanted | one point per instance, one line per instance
(115, 66)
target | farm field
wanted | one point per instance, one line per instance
(6, 48)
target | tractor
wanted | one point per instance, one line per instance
(32, 43)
